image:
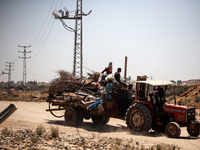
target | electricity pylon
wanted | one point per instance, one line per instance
(24, 62)
(78, 42)
(9, 74)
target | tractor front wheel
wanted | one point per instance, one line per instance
(173, 130)
(138, 118)
(193, 128)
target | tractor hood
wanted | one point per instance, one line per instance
(182, 114)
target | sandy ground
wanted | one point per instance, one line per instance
(30, 115)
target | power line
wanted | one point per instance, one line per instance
(45, 32)
(43, 43)
(43, 24)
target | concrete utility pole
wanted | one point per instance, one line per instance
(9, 73)
(78, 51)
(24, 62)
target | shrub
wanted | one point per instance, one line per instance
(5, 132)
(34, 139)
(158, 147)
(54, 132)
(40, 130)
(118, 141)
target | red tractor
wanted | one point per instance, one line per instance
(150, 110)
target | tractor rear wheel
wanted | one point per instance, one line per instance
(100, 120)
(71, 116)
(138, 118)
(193, 128)
(173, 130)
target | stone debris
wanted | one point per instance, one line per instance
(28, 139)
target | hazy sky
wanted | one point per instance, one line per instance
(161, 38)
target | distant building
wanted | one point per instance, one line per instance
(4, 85)
(31, 83)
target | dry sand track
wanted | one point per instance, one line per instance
(31, 114)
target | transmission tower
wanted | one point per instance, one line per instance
(78, 51)
(24, 62)
(9, 73)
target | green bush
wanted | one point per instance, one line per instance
(158, 147)
(40, 130)
(34, 139)
(54, 132)
(118, 141)
(6, 131)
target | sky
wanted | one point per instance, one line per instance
(161, 38)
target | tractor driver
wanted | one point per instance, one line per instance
(161, 95)
(159, 99)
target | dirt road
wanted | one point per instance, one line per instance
(31, 114)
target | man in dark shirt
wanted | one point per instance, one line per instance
(122, 98)
(117, 75)
(161, 95)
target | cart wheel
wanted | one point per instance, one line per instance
(100, 120)
(193, 128)
(173, 130)
(71, 116)
(58, 116)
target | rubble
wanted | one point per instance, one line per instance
(191, 97)
(28, 139)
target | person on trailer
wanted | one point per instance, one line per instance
(118, 77)
(109, 89)
(108, 69)
(122, 98)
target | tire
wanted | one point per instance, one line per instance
(71, 116)
(138, 118)
(106, 120)
(100, 120)
(193, 128)
(173, 130)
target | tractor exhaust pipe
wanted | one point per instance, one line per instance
(174, 91)
(125, 68)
